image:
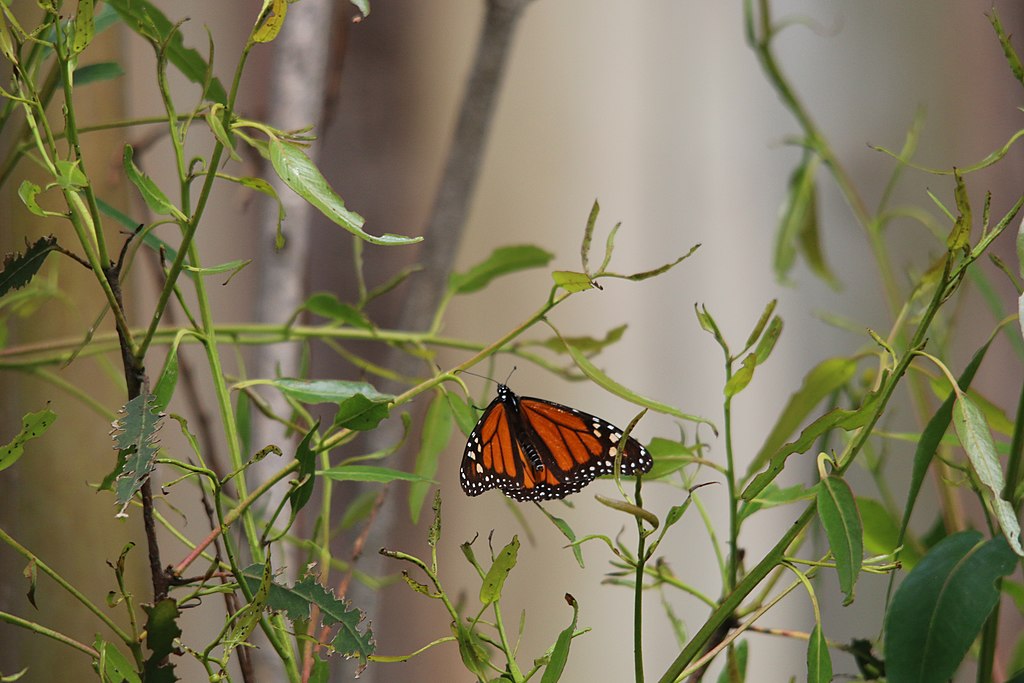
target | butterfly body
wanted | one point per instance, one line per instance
(534, 449)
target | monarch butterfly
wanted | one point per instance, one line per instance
(534, 449)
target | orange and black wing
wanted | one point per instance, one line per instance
(534, 449)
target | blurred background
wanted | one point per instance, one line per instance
(661, 112)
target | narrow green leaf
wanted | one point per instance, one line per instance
(838, 418)
(168, 378)
(977, 442)
(362, 5)
(1011, 55)
(494, 581)
(327, 305)
(154, 197)
(572, 281)
(588, 237)
(767, 344)
(325, 390)
(960, 236)
(841, 520)
(148, 21)
(568, 532)
(97, 73)
(931, 437)
(560, 652)
(19, 268)
(825, 378)
(708, 324)
(437, 432)
(502, 261)
(766, 315)
(940, 607)
(464, 413)
(297, 171)
(735, 669)
(610, 385)
(434, 535)
(819, 659)
(300, 495)
(380, 475)
(798, 226)
(84, 27)
(587, 345)
(33, 425)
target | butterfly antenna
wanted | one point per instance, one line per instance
(470, 372)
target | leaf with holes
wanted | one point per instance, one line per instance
(19, 269)
(135, 434)
(33, 425)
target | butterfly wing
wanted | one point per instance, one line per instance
(494, 457)
(577, 447)
(567, 449)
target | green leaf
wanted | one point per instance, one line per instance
(766, 315)
(112, 665)
(819, 660)
(735, 669)
(437, 432)
(161, 631)
(571, 281)
(381, 475)
(610, 385)
(360, 405)
(560, 652)
(297, 171)
(587, 345)
(567, 531)
(19, 268)
(882, 533)
(502, 261)
(773, 496)
(327, 305)
(981, 451)
(362, 5)
(741, 378)
(767, 344)
(70, 176)
(270, 21)
(246, 619)
(798, 227)
(168, 379)
(27, 192)
(84, 27)
(932, 436)
(296, 602)
(960, 236)
(232, 267)
(464, 413)
(154, 197)
(825, 378)
(472, 650)
(97, 73)
(33, 425)
(135, 435)
(148, 21)
(940, 607)
(838, 418)
(841, 520)
(494, 581)
(300, 495)
(1011, 55)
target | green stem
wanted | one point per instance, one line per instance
(49, 633)
(75, 593)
